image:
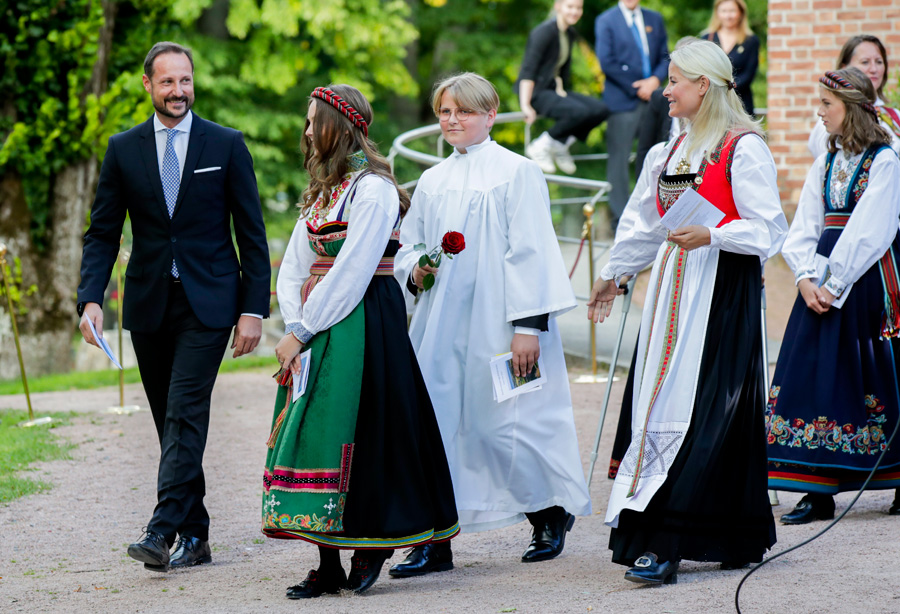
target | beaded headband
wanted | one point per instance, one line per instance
(837, 82)
(323, 93)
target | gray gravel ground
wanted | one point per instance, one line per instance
(64, 550)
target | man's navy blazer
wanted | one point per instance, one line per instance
(620, 56)
(219, 287)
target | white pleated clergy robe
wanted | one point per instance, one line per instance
(520, 455)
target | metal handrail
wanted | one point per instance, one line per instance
(399, 148)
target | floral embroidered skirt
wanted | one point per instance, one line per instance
(713, 505)
(834, 400)
(358, 460)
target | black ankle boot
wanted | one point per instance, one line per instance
(365, 565)
(424, 559)
(811, 507)
(318, 583)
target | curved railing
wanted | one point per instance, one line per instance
(597, 189)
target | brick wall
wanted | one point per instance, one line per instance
(805, 37)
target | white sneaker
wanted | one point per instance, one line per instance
(562, 157)
(539, 150)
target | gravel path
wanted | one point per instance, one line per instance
(64, 550)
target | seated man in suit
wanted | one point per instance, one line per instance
(632, 47)
(182, 180)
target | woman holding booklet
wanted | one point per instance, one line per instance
(692, 484)
(834, 400)
(356, 462)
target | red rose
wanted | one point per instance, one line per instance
(453, 242)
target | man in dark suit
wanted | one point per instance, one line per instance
(182, 180)
(632, 47)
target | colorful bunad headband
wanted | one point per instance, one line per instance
(323, 93)
(837, 82)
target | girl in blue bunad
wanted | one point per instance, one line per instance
(834, 397)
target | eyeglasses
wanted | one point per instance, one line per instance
(461, 114)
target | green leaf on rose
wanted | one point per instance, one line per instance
(419, 247)
(428, 282)
(424, 260)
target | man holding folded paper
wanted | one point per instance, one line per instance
(692, 484)
(183, 181)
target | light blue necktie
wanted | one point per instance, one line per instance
(645, 58)
(171, 179)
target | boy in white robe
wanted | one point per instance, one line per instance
(518, 457)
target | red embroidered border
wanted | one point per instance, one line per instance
(671, 339)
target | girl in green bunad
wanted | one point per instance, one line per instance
(356, 462)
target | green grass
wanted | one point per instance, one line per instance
(19, 447)
(110, 377)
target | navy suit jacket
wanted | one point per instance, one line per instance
(620, 56)
(219, 287)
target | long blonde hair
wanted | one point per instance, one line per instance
(743, 27)
(721, 111)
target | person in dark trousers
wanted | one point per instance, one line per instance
(544, 84)
(632, 47)
(183, 181)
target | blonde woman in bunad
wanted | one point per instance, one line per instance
(518, 457)
(356, 462)
(692, 484)
(834, 397)
(867, 53)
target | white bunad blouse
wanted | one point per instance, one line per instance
(870, 230)
(371, 218)
(760, 232)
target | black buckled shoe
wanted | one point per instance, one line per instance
(649, 570)
(152, 550)
(317, 584)
(365, 568)
(190, 551)
(424, 559)
(811, 507)
(548, 538)
(894, 510)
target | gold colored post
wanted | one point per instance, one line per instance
(12, 316)
(122, 261)
(588, 234)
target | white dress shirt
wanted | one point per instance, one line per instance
(179, 141)
(636, 17)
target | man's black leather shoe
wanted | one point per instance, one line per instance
(365, 568)
(548, 537)
(648, 570)
(819, 507)
(317, 584)
(190, 551)
(152, 550)
(424, 559)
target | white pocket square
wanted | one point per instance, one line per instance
(208, 170)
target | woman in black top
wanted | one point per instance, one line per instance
(729, 29)
(544, 80)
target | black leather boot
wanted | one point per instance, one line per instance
(424, 559)
(811, 507)
(548, 535)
